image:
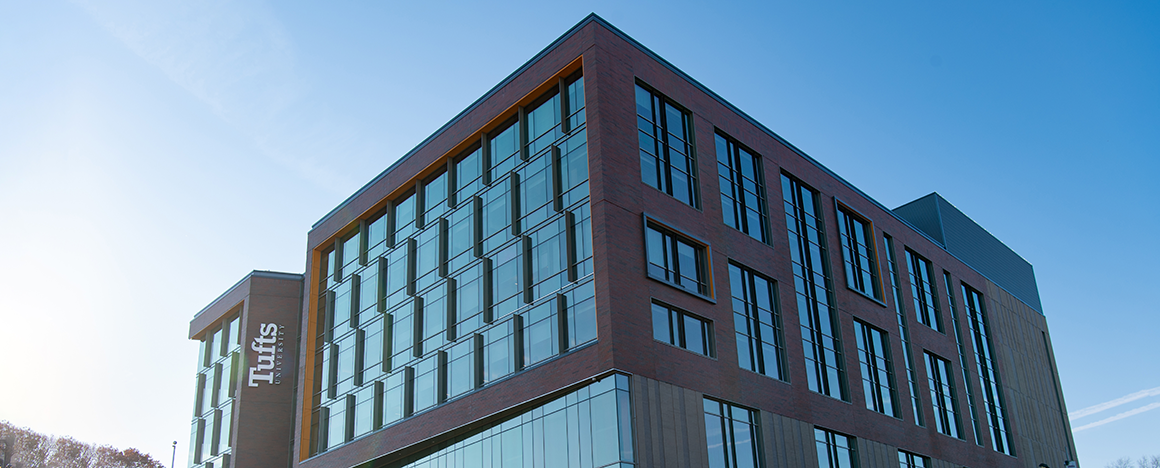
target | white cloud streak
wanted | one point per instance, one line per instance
(1114, 403)
(1118, 417)
(240, 61)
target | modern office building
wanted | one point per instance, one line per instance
(556, 279)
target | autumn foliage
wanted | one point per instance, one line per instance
(29, 449)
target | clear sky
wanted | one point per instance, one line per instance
(154, 152)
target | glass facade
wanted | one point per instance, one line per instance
(877, 368)
(811, 275)
(215, 391)
(667, 161)
(676, 260)
(479, 271)
(858, 254)
(757, 323)
(587, 428)
(742, 188)
(942, 395)
(903, 331)
(835, 450)
(683, 329)
(988, 374)
(733, 435)
(923, 291)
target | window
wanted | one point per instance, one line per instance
(682, 329)
(757, 322)
(732, 435)
(922, 288)
(742, 189)
(988, 373)
(911, 460)
(666, 151)
(835, 450)
(811, 275)
(903, 331)
(877, 368)
(963, 363)
(676, 260)
(942, 395)
(858, 254)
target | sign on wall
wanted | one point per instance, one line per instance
(270, 347)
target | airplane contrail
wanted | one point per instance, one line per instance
(1118, 417)
(1114, 403)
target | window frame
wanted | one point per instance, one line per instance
(679, 331)
(734, 149)
(938, 381)
(702, 251)
(830, 440)
(864, 334)
(844, 216)
(727, 421)
(664, 160)
(927, 287)
(781, 373)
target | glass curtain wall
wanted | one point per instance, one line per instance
(477, 272)
(215, 387)
(587, 428)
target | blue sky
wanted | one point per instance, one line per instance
(154, 152)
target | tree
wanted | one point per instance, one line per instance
(33, 450)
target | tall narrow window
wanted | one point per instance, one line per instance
(877, 368)
(942, 395)
(682, 329)
(835, 450)
(903, 331)
(742, 189)
(666, 151)
(811, 275)
(963, 363)
(733, 436)
(677, 260)
(858, 254)
(757, 322)
(988, 374)
(923, 291)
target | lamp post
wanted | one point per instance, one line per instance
(173, 460)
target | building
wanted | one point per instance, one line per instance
(555, 278)
(243, 410)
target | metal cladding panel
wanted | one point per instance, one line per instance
(972, 244)
(923, 214)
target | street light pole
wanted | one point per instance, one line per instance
(174, 459)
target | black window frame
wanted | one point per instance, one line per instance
(678, 330)
(737, 193)
(852, 260)
(663, 147)
(671, 240)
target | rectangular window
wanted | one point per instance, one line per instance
(811, 271)
(988, 374)
(666, 150)
(757, 322)
(858, 253)
(742, 189)
(923, 290)
(835, 450)
(963, 362)
(942, 395)
(676, 260)
(903, 331)
(682, 329)
(877, 368)
(733, 436)
(911, 460)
